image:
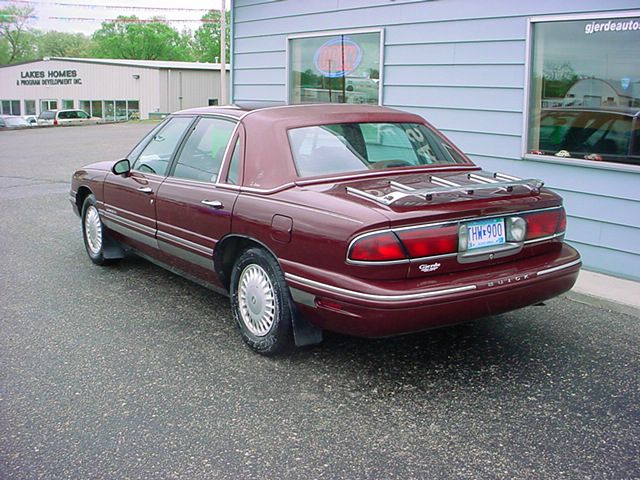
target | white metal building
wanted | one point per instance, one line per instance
(110, 89)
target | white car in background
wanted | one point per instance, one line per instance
(66, 117)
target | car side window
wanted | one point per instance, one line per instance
(82, 115)
(156, 155)
(233, 177)
(202, 154)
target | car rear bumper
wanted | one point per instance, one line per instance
(360, 308)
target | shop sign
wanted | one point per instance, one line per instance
(49, 77)
(337, 57)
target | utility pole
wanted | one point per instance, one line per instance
(223, 53)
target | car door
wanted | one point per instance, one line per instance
(130, 200)
(193, 211)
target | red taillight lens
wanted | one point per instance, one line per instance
(55, 121)
(425, 242)
(377, 248)
(544, 224)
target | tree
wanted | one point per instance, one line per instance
(15, 34)
(207, 38)
(61, 44)
(128, 38)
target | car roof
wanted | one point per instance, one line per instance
(302, 114)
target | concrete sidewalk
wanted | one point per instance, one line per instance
(606, 287)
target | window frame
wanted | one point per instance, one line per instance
(331, 33)
(526, 111)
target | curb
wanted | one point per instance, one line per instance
(608, 288)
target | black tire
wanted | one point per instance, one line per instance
(93, 232)
(257, 281)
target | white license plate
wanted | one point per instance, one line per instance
(485, 233)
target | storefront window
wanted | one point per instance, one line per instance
(342, 68)
(10, 107)
(109, 110)
(67, 103)
(96, 108)
(585, 90)
(133, 109)
(48, 105)
(29, 107)
(86, 106)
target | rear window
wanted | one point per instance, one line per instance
(48, 115)
(354, 147)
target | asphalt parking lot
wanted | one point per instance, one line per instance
(132, 372)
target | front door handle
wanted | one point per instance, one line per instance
(217, 204)
(145, 190)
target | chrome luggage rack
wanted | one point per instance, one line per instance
(497, 182)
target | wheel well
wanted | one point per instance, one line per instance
(227, 251)
(83, 192)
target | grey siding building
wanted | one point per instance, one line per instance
(505, 80)
(111, 89)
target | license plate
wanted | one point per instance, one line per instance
(485, 233)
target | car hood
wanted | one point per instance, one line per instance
(105, 166)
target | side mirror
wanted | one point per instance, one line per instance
(121, 167)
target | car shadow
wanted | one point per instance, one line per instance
(517, 346)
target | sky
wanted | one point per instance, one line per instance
(85, 16)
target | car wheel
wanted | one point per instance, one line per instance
(261, 302)
(93, 231)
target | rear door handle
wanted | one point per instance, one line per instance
(145, 190)
(217, 204)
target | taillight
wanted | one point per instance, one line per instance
(546, 223)
(378, 247)
(429, 241)
(55, 121)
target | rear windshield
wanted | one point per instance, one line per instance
(354, 147)
(48, 115)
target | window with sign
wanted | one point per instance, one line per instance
(585, 90)
(336, 68)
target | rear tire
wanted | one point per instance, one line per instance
(93, 232)
(261, 302)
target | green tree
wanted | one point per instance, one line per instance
(207, 38)
(15, 34)
(61, 44)
(128, 38)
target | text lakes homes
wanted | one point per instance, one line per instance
(109, 89)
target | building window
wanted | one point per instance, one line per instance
(584, 93)
(10, 107)
(341, 67)
(67, 103)
(48, 105)
(133, 109)
(96, 108)
(29, 107)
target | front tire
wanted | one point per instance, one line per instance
(261, 302)
(93, 231)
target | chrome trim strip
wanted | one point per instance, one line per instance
(115, 218)
(542, 239)
(374, 297)
(186, 255)
(186, 243)
(128, 212)
(560, 267)
(131, 233)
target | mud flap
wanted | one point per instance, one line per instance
(112, 249)
(305, 333)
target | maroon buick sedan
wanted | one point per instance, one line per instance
(358, 219)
